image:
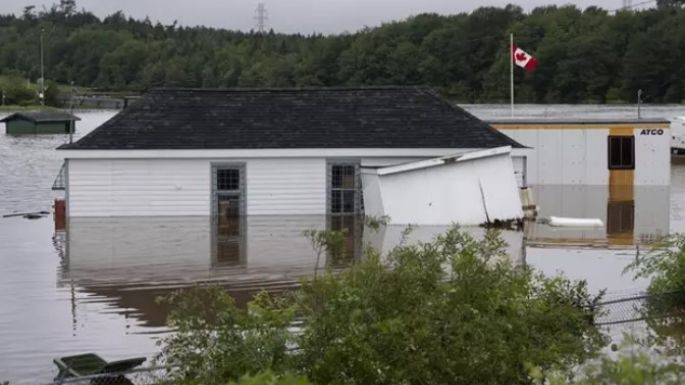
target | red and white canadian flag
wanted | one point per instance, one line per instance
(523, 59)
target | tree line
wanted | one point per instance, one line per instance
(590, 55)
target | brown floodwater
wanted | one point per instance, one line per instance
(93, 288)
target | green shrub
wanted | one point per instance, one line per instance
(639, 367)
(454, 310)
(269, 378)
(17, 92)
(664, 309)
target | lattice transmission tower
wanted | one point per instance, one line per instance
(261, 17)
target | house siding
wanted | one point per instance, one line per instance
(162, 187)
(286, 186)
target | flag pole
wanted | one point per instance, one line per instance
(511, 72)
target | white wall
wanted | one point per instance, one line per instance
(286, 186)
(182, 186)
(451, 193)
(138, 187)
(153, 187)
(565, 156)
(653, 158)
(579, 156)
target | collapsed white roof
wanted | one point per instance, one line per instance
(466, 189)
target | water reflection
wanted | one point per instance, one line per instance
(633, 215)
(159, 250)
(133, 260)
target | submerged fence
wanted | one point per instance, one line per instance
(630, 308)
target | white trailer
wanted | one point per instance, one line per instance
(616, 170)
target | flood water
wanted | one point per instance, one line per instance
(93, 288)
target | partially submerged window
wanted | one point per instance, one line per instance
(621, 217)
(351, 227)
(228, 209)
(621, 152)
(344, 189)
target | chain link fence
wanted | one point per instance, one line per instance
(639, 307)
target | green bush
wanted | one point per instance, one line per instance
(664, 309)
(454, 310)
(629, 368)
(269, 378)
(17, 92)
(52, 94)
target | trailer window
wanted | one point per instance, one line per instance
(621, 152)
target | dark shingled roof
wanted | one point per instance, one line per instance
(41, 116)
(381, 117)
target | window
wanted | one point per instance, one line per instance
(344, 189)
(228, 209)
(621, 152)
(228, 190)
(352, 228)
(227, 179)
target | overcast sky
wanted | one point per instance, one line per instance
(305, 16)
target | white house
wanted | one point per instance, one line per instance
(262, 151)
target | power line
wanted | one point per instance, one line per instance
(628, 5)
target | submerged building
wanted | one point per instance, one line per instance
(40, 122)
(283, 152)
(616, 170)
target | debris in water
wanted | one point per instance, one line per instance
(575, 222)
(32, 215)
(515, 224)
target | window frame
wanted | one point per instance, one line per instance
(621, 138)
(240, 192)
(357, 189)
(216, 237)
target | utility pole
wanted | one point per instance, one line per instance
(511, 72)
(261, 18)
(72, 128)
(42, 69)
(627, 4)
(639, 103)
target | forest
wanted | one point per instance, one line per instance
(588, 55)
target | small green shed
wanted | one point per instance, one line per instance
(39, 123)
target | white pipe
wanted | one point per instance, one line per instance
(575, 222)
